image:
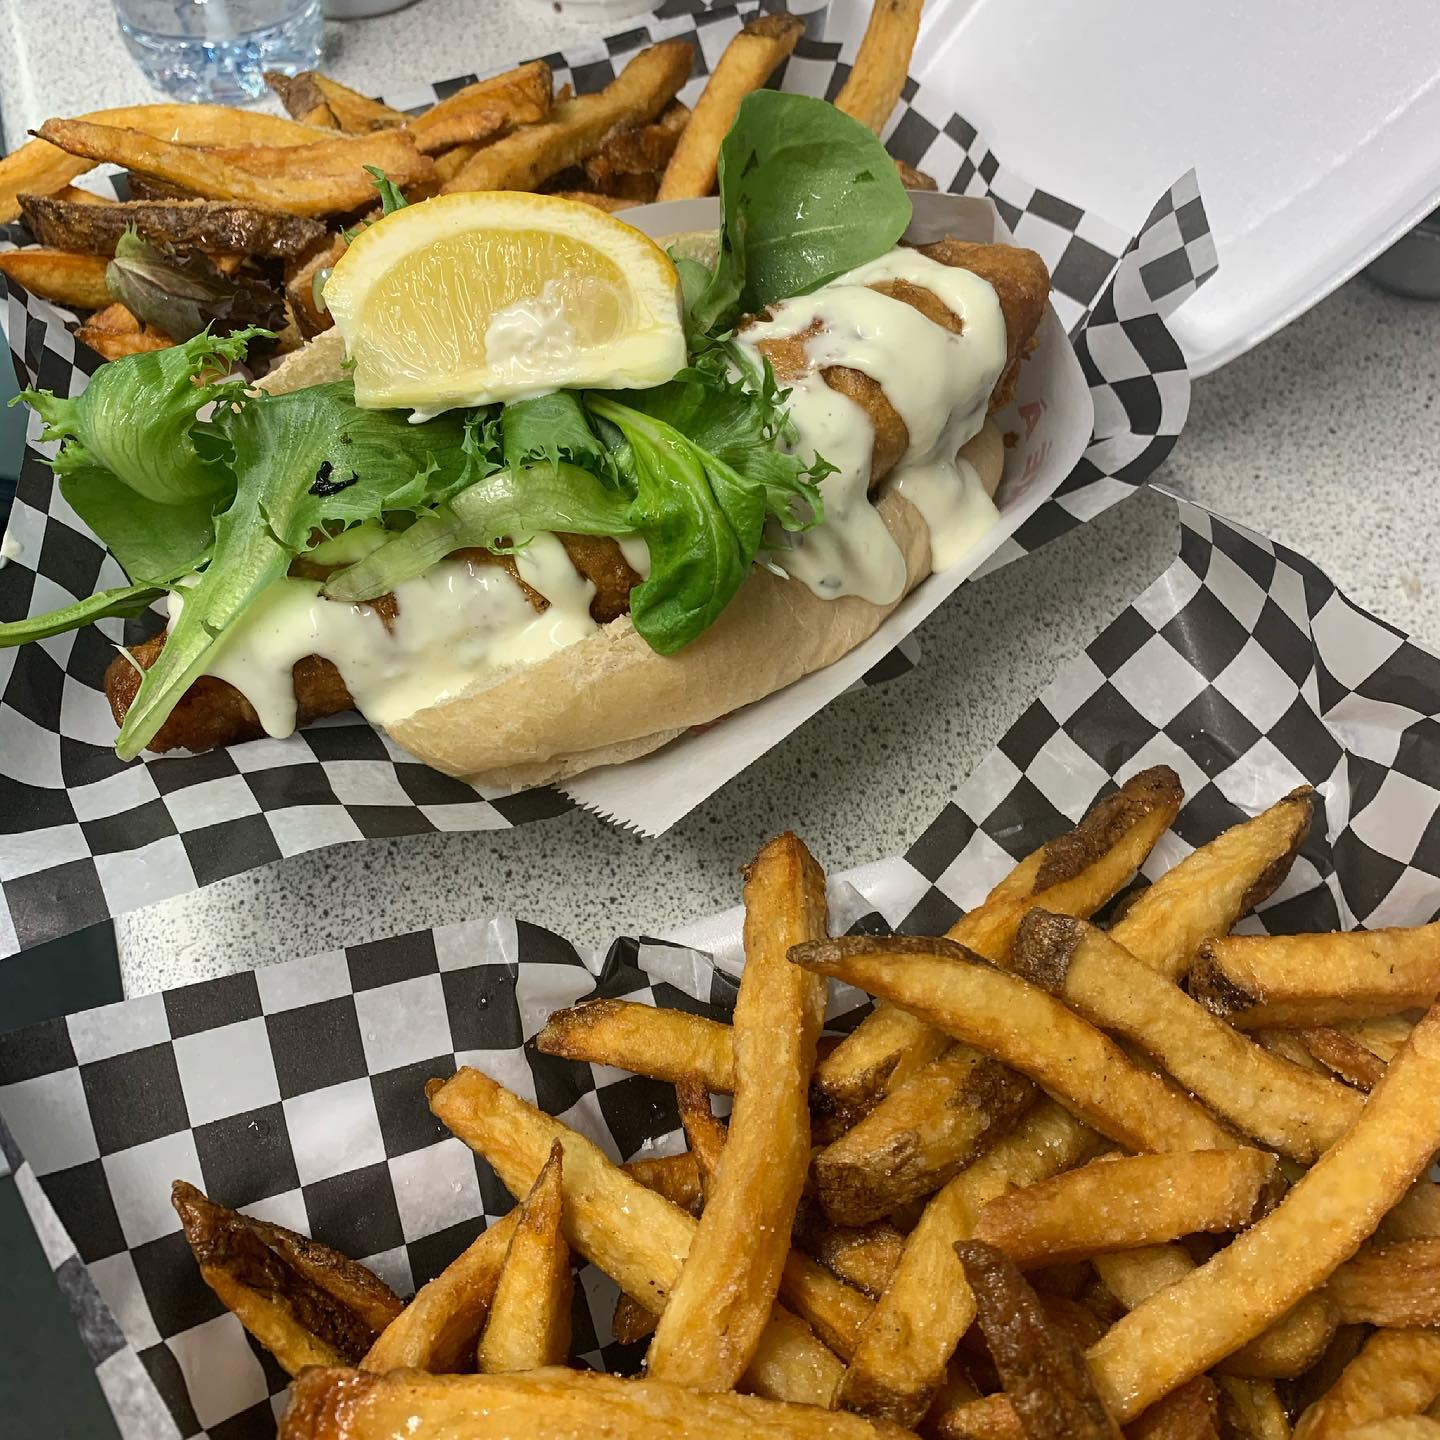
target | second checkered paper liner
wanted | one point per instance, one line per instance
(295, 1092)
(83, 837)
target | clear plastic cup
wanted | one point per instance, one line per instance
(219, 50)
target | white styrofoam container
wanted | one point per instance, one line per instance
(1314, 126)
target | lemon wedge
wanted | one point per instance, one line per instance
(493, 295)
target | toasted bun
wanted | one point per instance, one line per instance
(610, 697)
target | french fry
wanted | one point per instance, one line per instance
(209, 225)
(1190, 1413)
(114, 332)
(1345, 1055)
(1209, 890)
(716, 1313)
(1186, 1328)
(449, 163)
(913, 179)
(882, 62)
(310, 94)
(1396, 1374)
(668, 1045)
(635, 1236)
(334, 1404)
(437, 1331)
(1292, 1110)
(1042, 1369)
(323, 178)
(610, 204)
(676, 1177)
(527, 157)
(1398, 1427)
(629, 163)
(1259, 981)
(1125, 1202)
(898, 1367)
(529, 1323)
(631, 1322)
(1251, 1410)
(1289, 1046)
(485, 109)
(748, 62)
(77, 281)
(931, 1126)
(40, 169)
(1020, 1025)
(304, 1302)
(1416, 1217)
(1396, 1286)
(1075, 873)
(863, 1256)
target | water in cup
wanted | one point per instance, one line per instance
(219, 50)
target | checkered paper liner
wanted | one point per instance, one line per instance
(83, 837)
(295, 1092)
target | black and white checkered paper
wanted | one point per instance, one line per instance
(295, 1092)
(84, 837)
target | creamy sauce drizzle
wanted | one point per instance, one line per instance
(457, 624)
(939, 383)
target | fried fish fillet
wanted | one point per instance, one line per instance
(212, 712)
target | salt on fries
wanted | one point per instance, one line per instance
(1107, 1251)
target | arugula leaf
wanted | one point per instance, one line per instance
(124, 600)
(304, 463)
(551, 427)
(391, 198)
(806, 193)
(500, 513)
(184, 292)
(136, 419)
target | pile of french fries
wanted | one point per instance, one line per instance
(1063, 1178)
(276, 197)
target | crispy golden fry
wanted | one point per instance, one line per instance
(676, 1177)
(1294, 1111)
(1042, 1369)
(1209, 890)
(991, 1417)
(1256, 981)
(1126, 1202)
(1019, 1024)
(631, 1322)
(438, 1329)
(485, 109)
(73, 195)
(309, 92)
(1075, 873)
(1134, 1276)
(929, 1127)
(210, 225)
(610, 204)
(703, 1132)
(748, 62)
(114, 332)
(914, 179)
(1251, 1410)
(1384, 1034)
(304, 1302)
(1289, 1046)
(323, 178)
(40, 169)
(1185, 1329)
(1416, 1217)
(883, 60)
(714, 1317)
(1345, 1055)
(1291, 1345)
(668, 1045)
(1190, 1413)
(1398, 1427)
(863, 1256)
(1396, 1374)
(635, 1236)
(898, 1367)
(528, 157)
(529, 1324)
(77, 281)
(449, 163)
(1396, 1285)
(554, 1404)
(629, 162)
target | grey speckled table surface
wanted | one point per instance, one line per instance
(1324, 438)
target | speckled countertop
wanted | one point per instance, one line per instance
(1324, 438)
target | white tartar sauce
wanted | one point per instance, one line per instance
(455, 625)
(939, 383)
